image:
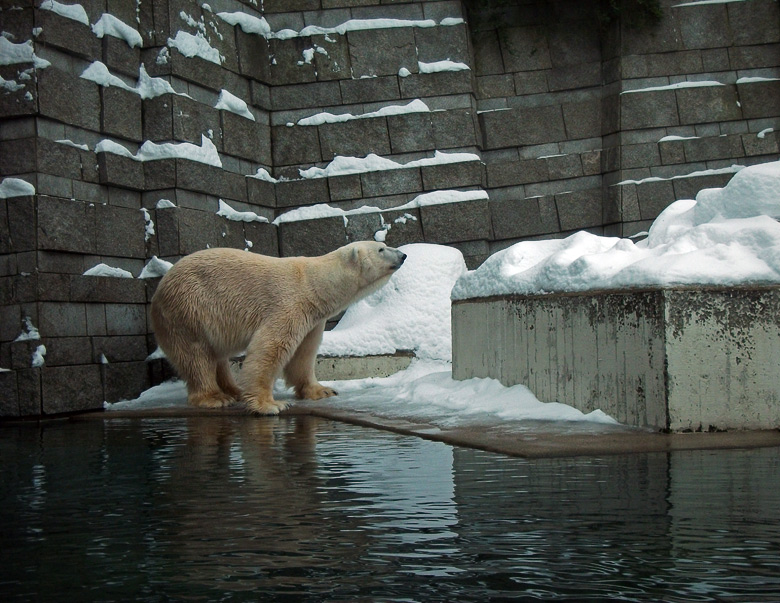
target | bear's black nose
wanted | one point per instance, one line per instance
(402, 258)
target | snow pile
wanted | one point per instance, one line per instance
(238, 216)
(109, 25)
(39, 357)
(150, 151)
(195, 46)
(105, 270)
(415, 106)
(13, 54)
(15, 187)
(155, 268)
(147, 87)
(411, 312)
(341, 165)
(727, 236)
(30, 332)
(440, 66)
(230, 102)
(74, 12)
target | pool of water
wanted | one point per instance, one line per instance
(305, 509)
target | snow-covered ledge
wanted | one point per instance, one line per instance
(677, 359)
(678, 331)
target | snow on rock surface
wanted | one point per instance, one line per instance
(109, 25)
(230, 102)
(106, 270)
(13, 54)
(727, 236)
(15, 187)
(75, 12)
(341, 165)
(238, 216)
(150, 151)
(155, 268)
(415, 106)
(411, 312)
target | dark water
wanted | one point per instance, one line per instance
(301, 509)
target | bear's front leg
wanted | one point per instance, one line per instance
(299, 371)
(265, 356)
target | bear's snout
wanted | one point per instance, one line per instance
(401, 258)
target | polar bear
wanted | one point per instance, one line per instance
(216, 303)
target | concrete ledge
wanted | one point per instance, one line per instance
(697, 359)
(339, 368)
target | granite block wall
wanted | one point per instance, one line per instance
(195, 125)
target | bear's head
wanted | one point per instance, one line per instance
(375, 262)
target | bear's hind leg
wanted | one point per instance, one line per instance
(299, 371)
(264, 358)
(225, 380)
(200, 373)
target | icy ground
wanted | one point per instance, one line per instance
(726, 236)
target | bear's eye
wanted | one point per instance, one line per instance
(381, 249)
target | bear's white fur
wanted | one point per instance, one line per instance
(216, 303)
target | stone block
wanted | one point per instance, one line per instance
(293, 193)
(295, 145)
(125, 319)
(53, 286)
(687, 188)
(311, 237)
(753, 145)
(106, 289)
(591, 162)
(517, 127)
(345, 187)
(305, 96)
(756, 22)
(705, 27)
(28, 385)
(197, 230)
(121, 348)
(333, 63)
(583, 119)
(753, 57)
(22, 232)
(404, 227)
(654, 197)
(524, 48)
(494, 86)
(288, 65)
(9, 394)
(454, 128)
(18, 156)
(639, 156)
(381, 51)
(124, 380)
(531, 82)
(453, 175)
(760, 99)
(648, 109)
(254, 55)
(517, 218)
(707, 149)
(22, 353)
(672, 152)
(67, 351)
(369, 90)
(511, 173)
(572, 77)
(119, 57)
(60, 319)
(456, 222)
(203, 178)
(65, 225)
(167, 229)
(264, 238)
(579, 209)
(356, 138)
(96, 319)
(197, 70)
(116, 170)
(160, 174)
(245, 138)
(20, 102)
(410, 132)
(487, 52)
(421, 85)
(67, 34)
(708, 104)
(71, 389)
(439, 43)
(83, 106)
(561, 167)
(174, 117)
(260, 192)
(362, 227)
(388, 182)
(121, 114)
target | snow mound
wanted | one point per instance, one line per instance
(727, 236)
(411, 312)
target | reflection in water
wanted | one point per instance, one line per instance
(232, 508)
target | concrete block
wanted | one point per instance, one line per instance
(288, 65)
(494, 86)
(362, 227)
(264, 238)
(648, 110)
(453, 175)
(67, 351)
(196, 229)
(579, 209)
(515, 127)
(331, 368)
(345, 187)
(388, 182)
(83, 106)
(21, 226)
(119, 57)
(246, 139)
(52, 286)
(639, 155)
(311, 237)
(381, 51)
(720, 147)
(582, 119)
(708, 104)
(524, 48)
(173, 117)
(519, 218)
(531, 82)
(96, 319)
(487, 52)
(756, 22)
(707, 28)
(125, 319)
(66, 34)
(456, 222)
(253, 56)
(369, 90)
(753, 145)
(357, 138)
(672, 152)
(22, 353)
(295, 145)
(760, 99)
(509, 173)
(121, 114)
(202, 178)
(199, 71)
(59, 319)
(305, 96)
(18, 156)
(753, 57)
(106, 289)
(124, 380)
(122, 348)
(71, 389)
(294, 193)
(261, 192)
(686, 188)
(439, 43)
(334, 63)
(65, 225)
(591, 163)
(410, 132)
(654, 197)
(560, 167)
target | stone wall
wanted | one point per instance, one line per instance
(560, 125)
